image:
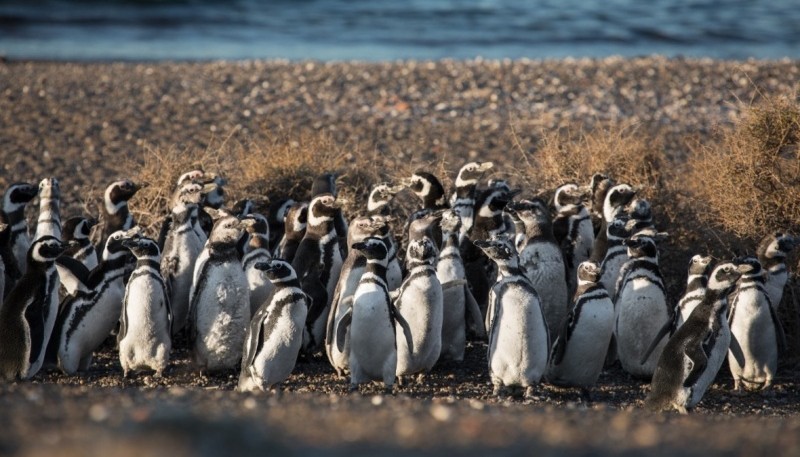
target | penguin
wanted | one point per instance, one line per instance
(428, 189)
(276, 214)
(219, 299)
(519, 341)
(6, 258)
(579, 349)
(772, 252)
(696, 283)
(756, 331)
(257, 251)
(641, 308)
(244, 207)
(614, 205)
(88, 317)
(572, 229)
(79, 229)
(371, 322)
(318, 263)
(275, 334)
(463, 198)
(49, 220)
(379, 198)
(21, 338)
(145, 334)
(419, 299)
(542, 261)
(116, 215)
(383, 230)
(183, 243)
(214, 196)
(296, 221)
(326, 184)
(616, 253)
(599, 185)
(694, 354)
(460, 309)
(15, 200)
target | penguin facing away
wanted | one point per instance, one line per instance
(772, 252)
(15, 200)
(694, 354)
(145, 335)
(275, 334)
(49, 221)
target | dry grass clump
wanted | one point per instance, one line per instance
(749, 179)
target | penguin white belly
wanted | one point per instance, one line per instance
(610, 275)
(586, 348)
(774, 287)
(641, 312)
(716, 357)
(454, 331)
(420, 305)
(754, 330)
(183, 254)
(259, 285)
(544, 267)
(278, 355)
(52, 310)
(518, 345)
(222, 314)
(394, 274)
(341, 359)
(688, 304)
(373, 355)
(147, 341)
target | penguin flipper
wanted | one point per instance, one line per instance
(342, 326)
(560, 344)
(659, 336)
(699, 361)
(780, 335)
(474, 319)
(736, 351)
(73, 274)
(166, 225)
(404, 325)
(255, 337)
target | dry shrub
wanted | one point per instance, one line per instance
(749, 178)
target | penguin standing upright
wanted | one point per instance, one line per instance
(318, 263)
(294, 230)
(275, 333)
(219, 299)
(79, 229)
(598, 187)
(419, 299)
(572, 228)
(756, 332)
(21, 339)
(379, 198)
(257, 251)
(116, 215)
(326, 184)
(616, 253)
(696, 283)
(615, 204)
(519, 342)
(772, 252)
(6, 258)
(463, 199)
(276, 215)
(49, 221)
(145, 334)
(694, 354)
(383, 230)
(641, 308)
(15, 200)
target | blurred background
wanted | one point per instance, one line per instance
(391, 29)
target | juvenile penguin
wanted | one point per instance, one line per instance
(257, 251)
(89, 316)
(463, 198)
(145, 334)
(580, 348)
(37, 291)
(756, 331)
(694, 354)
(519, 342)
(572, 228)
(296, 221)
(318, 263)
(79, 229)
(419, 299)
(772, 252)
(371, 322)
(15, 200)
(641, 308)
(275, 333)
(696, 283)
(49, 221)
(117, 216)
(219, 299)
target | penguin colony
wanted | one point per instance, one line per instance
(556, 288)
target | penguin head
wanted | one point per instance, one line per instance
(381, 195)
(471, 173)
(618, 228)
(569, 194)
(749, 266)
(617, 197)
(213, 190)
(121, 191)
(421, 251)
(256, 224)
(451, 222)
(46, 249)
(227, 229)
(78, 228)
(190, 193)
(114, 244)
(724, 276)
(49, 188)
(243, 207)
(589, 272)
(296, 217)
(277, 270)
(641, 246)
(700, 265)
(360, 229)
(499, 249)
(18, 195)
(534, 215)
(189, 176)
(324, 184)
(322, 209)
(423, 223)
(426, 186)
(640, 209)
(777, 245)
(380, 225)
(142, 247)
(373, 248)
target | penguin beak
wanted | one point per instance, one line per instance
(405, 182)
(396, 189)
(744, 268)
(130, 243)
(264, 266)
(247, 222)
(485, 166)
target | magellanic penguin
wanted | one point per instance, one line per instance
(580, 348)
(318, 263)
(616, 253)
(49, 221)
(598, 188)
(116, 215)
(257, 251)
(572, 228)
(145, 334)
(89, 316)
(696, 283)
(371, 322)
(428, 189)
(275, 334)
(7, 261)
(419, 300)
(694, 354)
(463, 198)
(294, 229)
(460, 309)
(614, 206)
(519, 342)
(325, 184)
(379, 198)
(79, 229)
(276, 214)
(756, 331)
(37, 290)
(642, 309)
(219, 299)
(383, 229)
(772, 252)
(15, 200)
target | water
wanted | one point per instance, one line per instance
(396, 29)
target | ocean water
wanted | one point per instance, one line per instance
(396, 29)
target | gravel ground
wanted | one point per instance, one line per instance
(75, 121)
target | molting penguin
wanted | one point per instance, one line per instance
(419, 299)
(696, 283)
(641, 308)
(22, 341)
(572, 228)
(294, 229)
(756, 331)
(463, 199)
(275, 333)
(15, 200)
(219, 299)
(519, 342)
(580, 348)
(257, 251)
(117, 216)
(49, 221)
(145, 334)
(772, 252)
(694, 354)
